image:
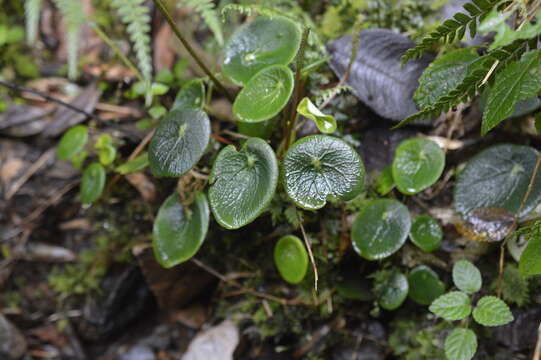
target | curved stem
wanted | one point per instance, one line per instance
(190, 50)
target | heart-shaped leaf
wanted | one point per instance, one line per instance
(498, 177)
(72, 142)
(391, 288)
(291, 259)
(242, 183)
(418, 164)
(92, 183)
(460, 344)
(191, 95)
(380, 229)
(425, 285)
(325, 123)
(376, 75)
(454, 305)
(467, 277)
(426, 233)
(320, 167)
(179, 233)
(264, 95)
(258, 44)
(179, 142)
(491, 311)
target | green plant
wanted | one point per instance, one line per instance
(291, 259)
(461, 343)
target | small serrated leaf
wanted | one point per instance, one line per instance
(460, 344)
(491, 311)
(467, 276)
(454, 305)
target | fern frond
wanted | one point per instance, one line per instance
(327, 94)
(32, 9)
(206, 9)
(251, 9)
(136, 16)
(455, 28)
(73, 13)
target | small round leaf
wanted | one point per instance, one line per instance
(426, 233)
(380, 229)
(325, 123)
(179, 142)
(391, 289)
(258, 44)
(264, 95)
(72, 142)
(418, 164)
(242, 183)
(498, 177)
(460, 344)
(467, 277)
(92, 183)
(291, 259)
(191, 95)
(178, 233)
(454, 305)
(491, 311)
(425, 285)
(320, 167)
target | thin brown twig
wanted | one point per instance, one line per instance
(311, 255)
(537, 353)
(28, 174)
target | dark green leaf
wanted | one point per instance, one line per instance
(319, 167)
(530, 260)
(179, 233)
(426, 233)
(425, 285)
(191, 95)
(264, 95)
(242, 183)
(491, 311)
(460, 344)
(179, 142)
(467, 277)
(291, 259)
(92, 183)
(72, 142)
(258, 44)
(391, 288)
(454, 305)
(380, 229)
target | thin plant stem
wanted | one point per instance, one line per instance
(190, 50)
(106, 39)
(310, 254)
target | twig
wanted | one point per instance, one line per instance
(50, 98)
(311, 255)
(190, 50)
(28, 174)
(537, 353)
(50, 201)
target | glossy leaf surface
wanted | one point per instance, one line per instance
(191, 95)
(391, 289)
(264, 95)
(72, 142)
(425, 285)
(325, 123)
(380, 229)
(530, 259)
(259, 44)
(242, 183)
(487, 224)
(418, 164)
(291, 259)
(498, 177)
(178, 233)
(137, 164)
(426, 233)
(319, 167)
(92, 183)
(179, 142)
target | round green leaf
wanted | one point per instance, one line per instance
(178, 233)
(491, 311)
(426, 233)
(498, 177)
(391, 289)
(291, 259)
(191, 95)
(467, 277)
(425, 285)
(92, 183)
(454, 305)
(107, 154)
(418, 164)
(72, 142)
(242, 183)
(179, 142)
(264, 95)
(325, 123)
(380, 229)
(460, 344)
(258, 44)
(320, 167)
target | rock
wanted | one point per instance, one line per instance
(520, 334)
(377, 75)
(12, 342)
(138, 353)
(217, 343)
